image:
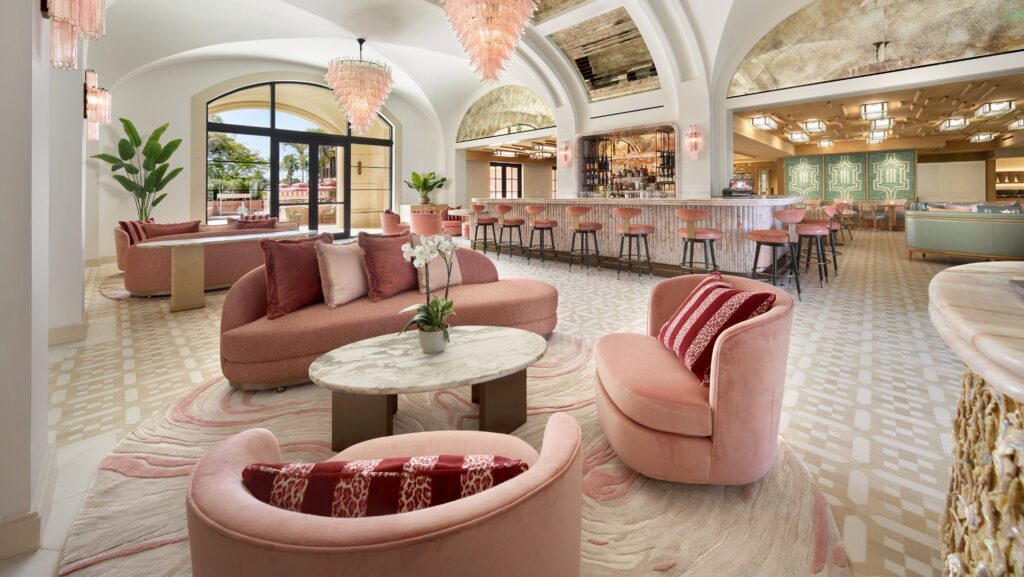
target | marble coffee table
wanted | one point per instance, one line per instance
(366, 377)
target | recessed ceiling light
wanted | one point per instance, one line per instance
(954, 123)
(764, 123)
(983, 137)
(881, 124)
(874, 111)
(1016, 124)
(875, 140)
(824, 144)
(504, 153)
(994, 109)
(799, 137)
(814, 126)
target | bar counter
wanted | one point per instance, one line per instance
(734, 216)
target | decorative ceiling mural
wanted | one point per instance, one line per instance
(505, 110)
(836, 39)
(548, 8)
(610, 55)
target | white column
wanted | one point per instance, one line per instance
(24, 162)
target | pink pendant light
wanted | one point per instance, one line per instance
(69, 20)
(92, 18)
(63, 45)
(489, 30)
(360, 87)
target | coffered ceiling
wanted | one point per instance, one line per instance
(548, 8)
(522, 149)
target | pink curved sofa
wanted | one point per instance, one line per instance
(147, 272)
(258, 353)
(529, 525)
(664, 424)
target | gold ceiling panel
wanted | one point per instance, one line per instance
(505, 110)
(548, 8)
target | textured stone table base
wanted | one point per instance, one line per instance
(982, 530)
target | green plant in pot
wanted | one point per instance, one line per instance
(424, 184)
(146, 166)
(431, 318)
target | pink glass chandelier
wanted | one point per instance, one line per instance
(69, 21)
(360, 86)
(489, 30)
(97, 106)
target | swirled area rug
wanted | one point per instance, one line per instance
(132, 522)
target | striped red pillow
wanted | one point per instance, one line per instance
(378, 486)
(711, 308)
(134, 229)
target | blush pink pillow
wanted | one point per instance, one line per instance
(293, 274)
(438, 272)
(341, 273)
(154, 230)
(387, 271)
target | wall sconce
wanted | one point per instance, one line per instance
(694, 142)
(97, 106)
(565, 154)
(69, 21)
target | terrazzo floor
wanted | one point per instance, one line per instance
(871, 389)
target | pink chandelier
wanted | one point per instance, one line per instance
(360, 86)
(69, 21)
(489, 30)
(97, 106)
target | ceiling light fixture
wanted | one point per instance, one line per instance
(1016, 124)
(360, 87)
(995, 109)
(813, 126)
(97, 106)
(764, 123)
(504, 153)
(881, 124)
(983, 137)
(878, 135)
(874, 110)
(800, 137)
(824, 144)
(489, 30)
(954, 123)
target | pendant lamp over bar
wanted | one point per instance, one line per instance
(360, 87)
(489, 30)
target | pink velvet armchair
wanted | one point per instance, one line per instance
(664, 424)
(529, 525)
(391, 223)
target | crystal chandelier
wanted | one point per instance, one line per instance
(489, 30)
(97, 106)
(69, 21)
(360, 87)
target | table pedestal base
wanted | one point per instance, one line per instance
(502, 403)
(984, 517)
(188, 278)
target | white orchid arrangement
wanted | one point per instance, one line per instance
(433, 315)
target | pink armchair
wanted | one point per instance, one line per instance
(664, 424)
(391, 223)
(529, 525)
(426, 223)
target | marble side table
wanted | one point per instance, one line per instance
(980, 315)
(366, 377)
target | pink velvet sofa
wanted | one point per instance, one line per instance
(664, 424)
(527, 526)
(258, 353)
(147, 272)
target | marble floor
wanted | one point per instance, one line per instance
(870, 392)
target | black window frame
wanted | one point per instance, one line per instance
(505, 168)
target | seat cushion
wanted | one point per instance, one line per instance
(635, 229)
(545, 223)
(487, 220)
(515, 221)
(155, 230)
(773, 236)
(833, 224)
(588, 225)
(649, 384)
(803, 229)
(701, 233)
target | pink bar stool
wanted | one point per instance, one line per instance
(692, 235)
(485, 221)
(510, 224)
(776, 239)
(634, 233)
(543, 226)
(815, 231)
(586, 230)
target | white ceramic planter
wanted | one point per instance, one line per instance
(432, 343)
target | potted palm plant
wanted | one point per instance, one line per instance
(431, 318)
(146, 166)
(424, 184)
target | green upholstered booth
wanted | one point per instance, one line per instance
(993, 236)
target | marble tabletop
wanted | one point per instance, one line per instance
(980, 315)
(394, 364)
(224, 239)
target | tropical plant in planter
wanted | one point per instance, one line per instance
(431, 318)
(425, 184)
(146, 166)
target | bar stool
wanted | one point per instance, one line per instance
(510, 224)
(544, 226)
(587, 230)
(813, 233)
(692, 235)
(485, 221)
(634, 232)
(832, 223)
(776, 239)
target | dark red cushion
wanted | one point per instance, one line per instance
(133, 228)
(379, 486)
(387, 271)
(705, 314)
(154, 230)
(293, 274)
(262, 223)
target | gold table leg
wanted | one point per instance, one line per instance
(188, 278)
(502, 403)
(357, 418)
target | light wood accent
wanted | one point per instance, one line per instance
(188, 277)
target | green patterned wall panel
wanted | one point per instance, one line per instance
(804, 176)
(892, 175)
(845, 176)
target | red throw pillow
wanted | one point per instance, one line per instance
(387, 271)
(154, 230)
(711, 308)
(378, 486)
(262, 223)
(133, 228)
(293, 274)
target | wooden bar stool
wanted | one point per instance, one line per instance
(634, 233)
(485, 221)
(511, 224)
(586, 230)
(692, 235)
(543, 226)
(776, 239)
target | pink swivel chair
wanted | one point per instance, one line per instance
(663, 423)
(391, 223)
(426, 223)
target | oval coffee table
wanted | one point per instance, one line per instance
(366, 377)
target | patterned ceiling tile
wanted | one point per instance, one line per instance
(548, 8)
(510, 108)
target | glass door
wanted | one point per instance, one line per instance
(506, 180)
(330, 169)
(311, 185)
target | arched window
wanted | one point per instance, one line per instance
(285, 149)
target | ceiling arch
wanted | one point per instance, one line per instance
(504, 108)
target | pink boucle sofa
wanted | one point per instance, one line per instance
(259, 353)
(147, 272)
(527, 526)
(664, 424)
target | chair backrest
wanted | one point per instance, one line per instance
(626, 212)
(425, 223)
(829, 211)
(503, 208)
(535, 209)
(692, 214)
(577, 210)
(789, 216)
(478, 208)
